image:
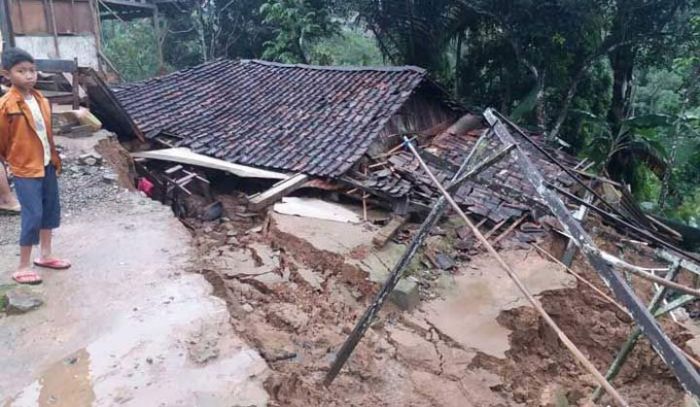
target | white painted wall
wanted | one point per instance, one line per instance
(83, 47)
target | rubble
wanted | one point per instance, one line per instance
(405, 295)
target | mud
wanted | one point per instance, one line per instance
(487, 348)
(130, 326)
(300, 319)
(537, 367)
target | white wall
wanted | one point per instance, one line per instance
(81, 46)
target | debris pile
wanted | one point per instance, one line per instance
(310, 206)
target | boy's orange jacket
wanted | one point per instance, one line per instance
(20, 145)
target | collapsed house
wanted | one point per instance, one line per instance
(346, 131)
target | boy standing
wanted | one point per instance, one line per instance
(27, 145)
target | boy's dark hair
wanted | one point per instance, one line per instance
(14, 56)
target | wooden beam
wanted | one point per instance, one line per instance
(674, 359)
(184, 155)
(57, 65)
(280, 189)
(127, 3)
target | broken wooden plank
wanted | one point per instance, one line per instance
(388, 231)
(510, 228)
(173, 169)
(184, 155)
(280, 189)
(674, 359)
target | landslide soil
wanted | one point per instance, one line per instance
(298, 312)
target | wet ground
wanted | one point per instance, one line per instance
(126, 325)
(135, 323)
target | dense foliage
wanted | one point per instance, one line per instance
(612, 80)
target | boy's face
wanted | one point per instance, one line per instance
(22, 75)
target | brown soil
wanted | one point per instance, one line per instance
(118, 158)
(537, 363)
(297, 328)
(297, 325)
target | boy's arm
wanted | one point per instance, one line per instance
(4, 134)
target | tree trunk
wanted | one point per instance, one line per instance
(540, 109)
(202, 34)
(566, 104)
(458, 64)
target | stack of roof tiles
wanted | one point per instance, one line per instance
(297, 118)
(500, 193)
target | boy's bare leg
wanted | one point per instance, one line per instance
(45, 236)
(25, 258)
(7, 199)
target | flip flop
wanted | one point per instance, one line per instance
(26, 277)
(54, 264)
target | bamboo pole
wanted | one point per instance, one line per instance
(649, 276)
(512, 227)
(511, 273)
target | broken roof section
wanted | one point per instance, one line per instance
(298, 118)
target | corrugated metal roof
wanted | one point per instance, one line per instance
(300, 118)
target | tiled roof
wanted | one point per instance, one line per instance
(500, 192)
(298, 118)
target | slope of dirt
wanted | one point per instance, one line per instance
(537, 365)
(297, 303)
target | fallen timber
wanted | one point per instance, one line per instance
(576, 353)
(670, 354)
(392, 280)
(631, 341)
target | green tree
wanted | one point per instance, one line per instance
(298, 25)
(131, 47)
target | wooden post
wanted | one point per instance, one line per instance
(580, 215)
(674, 359)
(76, 85)
(54, 28)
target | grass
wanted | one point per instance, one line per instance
(3, 289)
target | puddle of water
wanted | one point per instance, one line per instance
(65, 384)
